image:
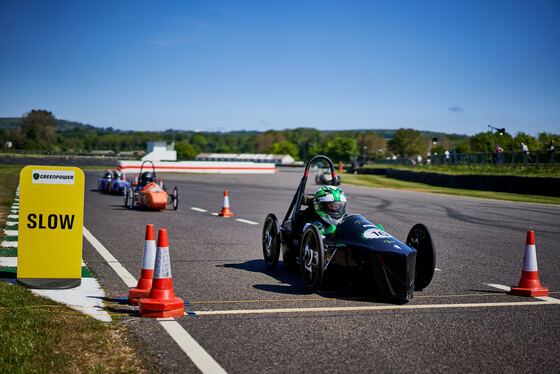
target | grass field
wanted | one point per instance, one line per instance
(485, 169)
(38, 335)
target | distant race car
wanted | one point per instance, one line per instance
(324, 177)
(104, 183)
(119, 184)
(318, 236)
(144, 192)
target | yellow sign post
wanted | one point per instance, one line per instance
(51, 215)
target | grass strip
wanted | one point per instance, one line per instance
(381, 181)
(38, 335)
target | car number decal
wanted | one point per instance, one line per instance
(375, 234)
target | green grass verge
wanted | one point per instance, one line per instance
(484, 169)
(38, 335)
(381, 181)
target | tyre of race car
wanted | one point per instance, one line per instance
(131, 201)
(271, 241)
(126, 195)
(312, 258)
(175, 198)
(419, 238)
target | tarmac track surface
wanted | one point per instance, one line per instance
(217, 265)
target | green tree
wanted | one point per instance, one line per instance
(185, 151)
(464, 147)
(341, 149)
(284, 148)
(38, 130)
(407, 142)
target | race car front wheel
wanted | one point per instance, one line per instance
(419, 238)
(312, 258)
(175, 198)
(271, 241)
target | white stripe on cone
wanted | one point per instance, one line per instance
(149, 257)
(530, 258)
(163, 264)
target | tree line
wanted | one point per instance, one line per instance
(39, 130)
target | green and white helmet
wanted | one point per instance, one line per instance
(330, 204)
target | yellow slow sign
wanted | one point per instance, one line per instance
(51, 213)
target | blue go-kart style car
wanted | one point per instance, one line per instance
(119, 184)
(384, 265)
(104, 183)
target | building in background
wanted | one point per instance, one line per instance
(248, 157)
(161, 151)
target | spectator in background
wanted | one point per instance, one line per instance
(499, 151)
(453, 157)
(446, 156)
(525, 150)
(551, 151)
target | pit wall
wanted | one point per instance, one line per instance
(499, 183)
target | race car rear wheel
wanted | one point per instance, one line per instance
(271, 241)
(312, 258)
(175, 197)
(419, 238)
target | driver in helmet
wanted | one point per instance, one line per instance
(146, 178)
(329, 204)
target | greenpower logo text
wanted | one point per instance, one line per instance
(53, 176)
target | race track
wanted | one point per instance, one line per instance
(459, 323)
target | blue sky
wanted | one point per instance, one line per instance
(451, 66)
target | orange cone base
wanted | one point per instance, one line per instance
(162, 314)
(529, 285)
(532, 292)
(161, 308)
(225, 213)
(137, 293)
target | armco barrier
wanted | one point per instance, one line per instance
(202, 167)
(499, 183)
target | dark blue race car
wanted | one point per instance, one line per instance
(384, 266)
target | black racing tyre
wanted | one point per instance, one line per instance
(175, 198)
(131, 201)
(126, 195)
(271, 241)
(419, 238)
(312, 258)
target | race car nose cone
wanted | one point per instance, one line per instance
(394, 274)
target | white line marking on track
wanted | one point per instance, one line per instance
(198, 209)
(214, 214)
(246, 221)
(194, 351)
(370, 308)
(508, 289)
(127, 278)
(202, 359)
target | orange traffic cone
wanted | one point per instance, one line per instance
(529, 284)
(162, 302)
(146, 274)
(225, 209)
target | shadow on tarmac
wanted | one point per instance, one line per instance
(337, 284)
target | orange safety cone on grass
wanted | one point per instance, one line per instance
(529, 284)
(162, 302)
(146, 274)
(225, 208)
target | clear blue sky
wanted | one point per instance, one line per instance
(451, 66)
